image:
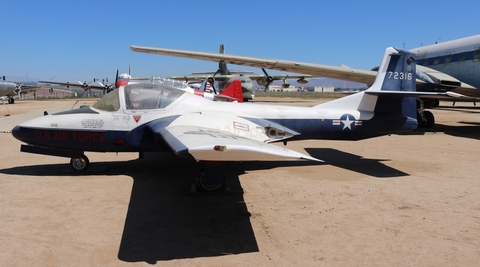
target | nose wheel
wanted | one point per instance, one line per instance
(79, 164)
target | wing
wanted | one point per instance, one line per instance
(225, 78)
(430, 80)
(316, 70)
(97, 87)
(210, 144)
(207, 136)
(200, 77)
(277, 77)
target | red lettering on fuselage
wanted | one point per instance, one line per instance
(94, 137)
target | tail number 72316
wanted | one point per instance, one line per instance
(399, 75)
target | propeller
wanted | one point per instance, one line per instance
(116, 79)
(269, 79)
(85, 85)
(18, 89)
(211, 80)
(107, 87)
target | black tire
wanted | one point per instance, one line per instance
(420, 121)
(11, 100)
(79, 164)
(205, 186)
(430, 119)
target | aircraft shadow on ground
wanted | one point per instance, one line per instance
(166, 221)
(355, 163)
(466, 130)
(467, 110)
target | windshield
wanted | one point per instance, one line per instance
(150, 96)
(109, 102)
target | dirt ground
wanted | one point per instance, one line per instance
(399, 200)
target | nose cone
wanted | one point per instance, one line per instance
(18, 133)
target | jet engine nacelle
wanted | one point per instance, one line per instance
(302, 81)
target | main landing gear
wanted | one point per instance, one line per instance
(211, 177)
(425, 118)
(80, 164)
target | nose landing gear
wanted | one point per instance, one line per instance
(80, 164)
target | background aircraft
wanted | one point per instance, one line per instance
(452, 67)
(225, 77)
(155, 117)
(7, 89)
(104, 85)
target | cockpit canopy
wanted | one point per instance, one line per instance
(109, 102)
(150, 96)
(140, 96)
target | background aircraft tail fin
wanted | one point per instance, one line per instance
(222, 66)
(233, 92)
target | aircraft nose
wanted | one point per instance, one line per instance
(19, 133)
(16, 132)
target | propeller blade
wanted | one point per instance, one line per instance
(269, 80)
(116, 79)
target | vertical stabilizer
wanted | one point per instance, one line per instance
(388, 94)
(222, 66)
(396, 73)
(233, 91)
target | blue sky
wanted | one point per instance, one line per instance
(69, 40)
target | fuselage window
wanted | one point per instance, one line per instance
(448, 59)
(476, 56)
(425, 62)
(461, 57)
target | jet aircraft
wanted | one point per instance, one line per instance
(224, 77)
(144, 117)
(452, 67)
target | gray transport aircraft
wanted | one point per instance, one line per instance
(104, 85)
(225, 77)
(451, 68)
(8, 89)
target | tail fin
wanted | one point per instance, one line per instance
(222, 66)
(396, 72)
(396, 77)
(233, 92)
(395, 82)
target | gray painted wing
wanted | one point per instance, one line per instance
(316, 70)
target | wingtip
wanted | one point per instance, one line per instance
(312, 159)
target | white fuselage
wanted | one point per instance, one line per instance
(459, 58)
